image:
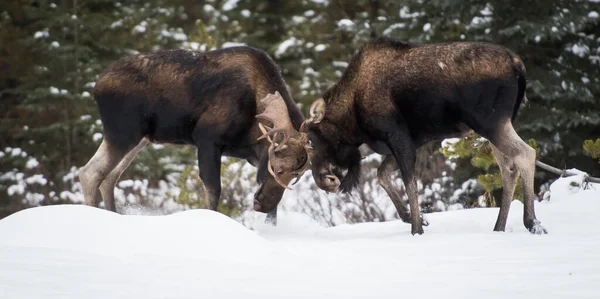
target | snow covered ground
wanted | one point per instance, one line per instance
(73, 251)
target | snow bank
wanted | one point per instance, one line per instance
(73, 251)
(97, 231)
(564, 187)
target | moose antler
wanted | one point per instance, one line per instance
(275, 111)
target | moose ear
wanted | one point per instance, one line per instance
(317, 111)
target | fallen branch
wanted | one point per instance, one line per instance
(564, 172)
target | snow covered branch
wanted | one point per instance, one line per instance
(564, 172)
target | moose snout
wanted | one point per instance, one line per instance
(259, 200)
(329, 183)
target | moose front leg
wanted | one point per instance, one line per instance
(209, 164)
(272, 218)
(405, 154)
(385, 174)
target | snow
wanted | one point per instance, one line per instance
(54, 44)
(283, 47)
(116, 24)
(487, 11)
(32, 163)
(426, 27)
(593, 15)
(177, 35)
(345, 23)
(36, 179)
(208, 8)
(141, 27)
(405, 13)
(41, 34)
(75, 251)
(342, 64)
(232, 44)
(393, 27)
(16, 152)
(449, 143)
(564, 187)
(229, 5)
(320, 47)
(97, 137)
(580, 50)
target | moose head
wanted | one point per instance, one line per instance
(292, 152)
(287, 153)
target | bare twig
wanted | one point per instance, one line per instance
(564, 172)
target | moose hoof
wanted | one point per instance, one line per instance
(416, 230)
(271, 218)
(406, 219)
(534, 226)
(271, 221)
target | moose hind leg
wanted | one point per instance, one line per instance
(510, 174)
(523, 156)
(108, 185)
(385, 174)
(95, 171)
(209, 164)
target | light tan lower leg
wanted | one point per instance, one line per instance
(108, 185)
(523, 156)
(93, 173)
(510, 174)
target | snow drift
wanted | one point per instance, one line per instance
(74, 251)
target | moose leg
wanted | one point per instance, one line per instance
(384, 174)
(209, 164)
(95, 171)
(510, 174)
(267, 191)
(108, 185)
(523, 156)
(405, 153)
(272, 217)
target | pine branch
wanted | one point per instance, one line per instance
(564, 172)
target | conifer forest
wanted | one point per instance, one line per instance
(52, 52)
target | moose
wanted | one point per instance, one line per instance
(205, 99)
(396, 96)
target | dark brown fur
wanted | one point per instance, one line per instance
(397, 96)
(205, 99)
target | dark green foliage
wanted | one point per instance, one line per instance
(52, 51)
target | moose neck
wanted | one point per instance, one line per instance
(339, 124)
